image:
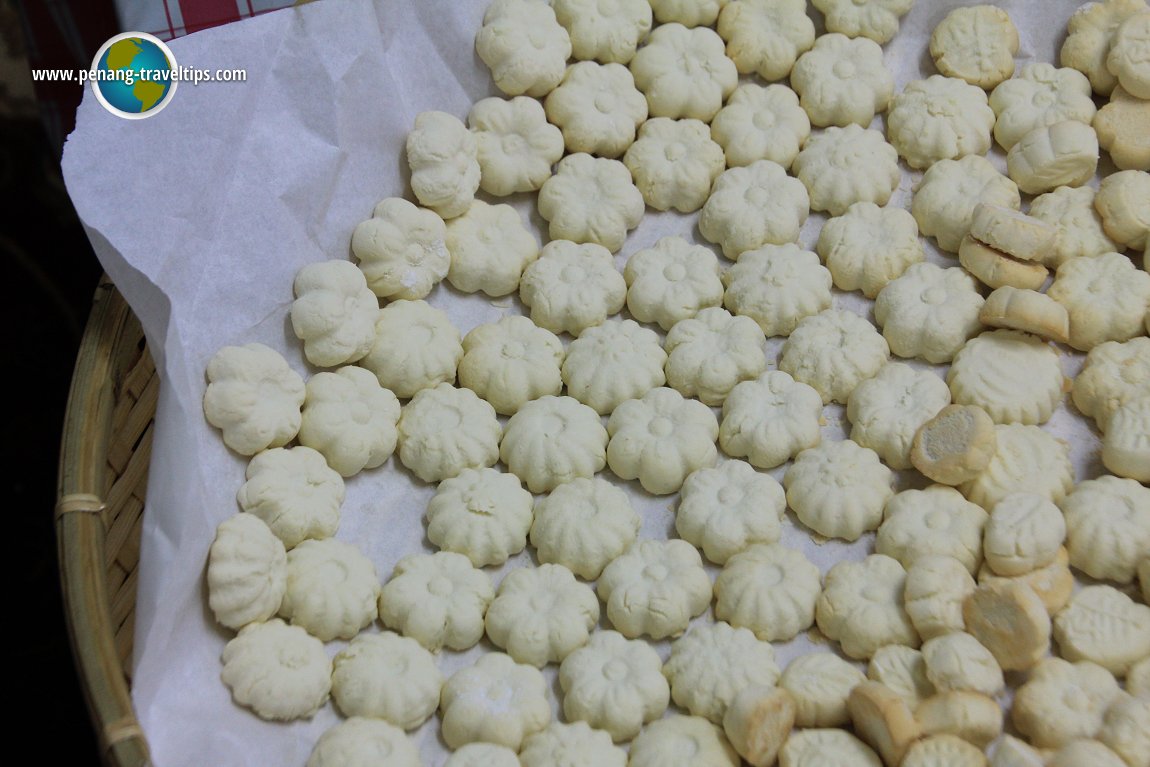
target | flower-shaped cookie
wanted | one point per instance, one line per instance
(584, 524)
(903, 670)
(591, 200)
(515, 145)
(613, 362)
(710, 664)
(1023, 533)
(416, 347)
(842, 81)
(674, 163)
(753, 206)
(671, 281)
(886, 411)
(253, 397)
(861, 606)
(278, 671)
(1090, 35)
(437, 599)
(1026, 460)
(975, 43)
(1119, 128)
(1105, 626)
(770, 590)
(496, 700)
(1121, 201)
(444, 166)
(359, 738)
(483, 514)
(524, 46)
(1129, 57)
(683, 72)
(876, 19)
(842, 166)
(1071, 211)
(1127, 721)
(838, 489)
(489, 247)
(482, 755)
(939, 118)
(778, 286)
(655, 589)
(833, 351)
(386, 676)
(1105, 296)
(929, 312)
(660, 439)
(598, 108)
(683, 741)
(511, 362)
(333, 313)
(1114, 374)
(445, 430)
(1125, 449)
(710, 353)
(332, 589)
(1107, 527)
(1014, 376)
(572, 287)
(401, 249)
(728, 508)
(294, 492)
(868, 246)
(553, 440)
(247, 572)
(937, 520)
(573, 744)
(1040, 95)
(819, 682)
(614, 684)
(1062, 701)
(760, 123)
(608, 32)
(766, 37)
(944, 200)
(350, 419)
(540, 614)
(770, 419)
(689, 13)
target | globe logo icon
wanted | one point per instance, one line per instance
(134, 75)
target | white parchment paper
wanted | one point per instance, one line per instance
(203, 213)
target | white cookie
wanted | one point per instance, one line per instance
(350, 419)
(1114, 374)
(1107, 527)
(1106, 297)
(1040, 95)
(726, 509)
(1126, 729)
(660, 439)
(253, 397)
(758, 721)
(278, 671)
(674, 163)
(842, 81)
(929, 312)
(598, 108)
(868, 246)
(655, 589)
(247, 572)
(540, 614)
(1119, 128)
(605, 32)
(416, 347)
(1085, 751)
(937, 520)
(833, 351)
(584, 524)
(590, 199)
(838, 489)
(875, 19)
(1010, 620)
(760, 123)
(887, 411)
(1104, 626)
(295, 492)
(1026, 460)
(903, 671)
(1138, 680)
(1091, 33)
(572, 287)
(842, 166)
(954, 446)
(1053, 584)
(1015, 752)
(1026, 310)
(511, 362)
(883, 720)
(939, 118)
(683, 72)
(445, 430)
(1122, 203)
(483, 514)
(1071, 211)
(861, 606)
(766, 38)
(777, 286)
(770, 590)
(573, 744)
(976, 43)
(770, 420)
(614, 684)
(819, 683)
(1129, 57)
(1015, 377)
(945, 198)
(553, 440)
(1126, 446)
(1062, 154)
(359, 742)
(1062, 701)
(386, 676)
(943, 749)
(483, 755)
(1012, 233)
(995, 269)
(936, 587)
(1024, 533)
(496, 700)
(689, 13)
(333, 313)
(957, 661)
(672, 281)
(515, 145)
(752, 206)
(613, 362)
(972, 716)
(683, 741)
(524, 46)
(443, 159)
(332, 589)
(490, 247)
(437, 599)
(810, 748)
(711, 663)
(711, 353)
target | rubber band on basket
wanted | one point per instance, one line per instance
(84, 502)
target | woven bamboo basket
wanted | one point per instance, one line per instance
(104, 456)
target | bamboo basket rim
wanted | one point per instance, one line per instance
(113, 373)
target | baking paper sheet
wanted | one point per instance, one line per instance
(203, 213)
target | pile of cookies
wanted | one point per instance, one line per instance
(666, 106)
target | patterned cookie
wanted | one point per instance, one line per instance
(386, 676)
(937, 520)
(655, 589)
(770, 420)
(902, 670)
(868, 246)
(573, 744)
(1104, 626)
(466, 703)
(660, 439)
(524, 46)
(876, 19)
(1024, 533)
(1080, 233)
(1114, 374)
(350, 419)
(1119, 128)
(604, 32)
(929, 312)
(936, 588)
(416, 347)
(1121, 201)
(590, 200)
(294, 492)
(760, 123)
(278, 671)
(777, 286)
(887, 411)
(247, 572)
(842, 166)
(710, 664)
(838, 489)
(515, 147)
(683, 73)
(511, 362)
(1126, 446)
(939, 118)
(833, 351)
(483, 514)
(490, 247)
(819, 683)
(598, 109)
(1026, 460)
(1062, 154)
(976, 43)
(332, 589)
(752, 206)
(584, 524)
(1013, 376)
(861, 607)
(766, 38)
(711, 353)
(958, 661)
(1107, 527)
(770, 590)
(674, 163)
(842, 81)
(1106, 297)
(541, 614)
(726, 509)
(672, 281)
(1040, 95)
(1062, 701)
(553, 440)
(1091, 33)
(437, 599)
(613, 362)
(945, 198)
(445, 430)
